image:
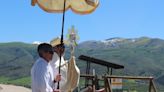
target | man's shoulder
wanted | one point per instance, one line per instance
(38, 61)
(41, 62)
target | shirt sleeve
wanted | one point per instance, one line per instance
(45, 80)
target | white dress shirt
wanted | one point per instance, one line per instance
(42, 76)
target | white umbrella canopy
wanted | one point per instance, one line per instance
(78, 6)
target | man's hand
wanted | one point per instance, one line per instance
(58, 78)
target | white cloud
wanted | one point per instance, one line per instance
(37, 42)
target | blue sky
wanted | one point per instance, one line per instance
(19, 21)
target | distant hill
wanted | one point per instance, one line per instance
(141, 56)
(16, 59)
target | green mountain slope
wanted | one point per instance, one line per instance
(16, 60)
(140, 56)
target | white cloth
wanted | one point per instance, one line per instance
(42, 76)
(73, 75)
(63, 71)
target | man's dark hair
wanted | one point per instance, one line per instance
(44, 47)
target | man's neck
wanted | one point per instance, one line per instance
(45, 59)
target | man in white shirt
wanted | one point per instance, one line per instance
(41, 72)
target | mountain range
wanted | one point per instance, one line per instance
(140, 56)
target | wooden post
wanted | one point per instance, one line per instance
(93, 87)
(107, 85)
(93, 84)
(153, 85)
(97, 82)
(93, 81)
(87, 72)
(150, 84)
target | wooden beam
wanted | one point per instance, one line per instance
(130, 77)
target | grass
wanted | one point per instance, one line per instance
(24, 81)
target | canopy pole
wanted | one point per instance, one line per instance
(62, 44)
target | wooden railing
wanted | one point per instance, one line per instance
(107, 83)
(150, 79)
